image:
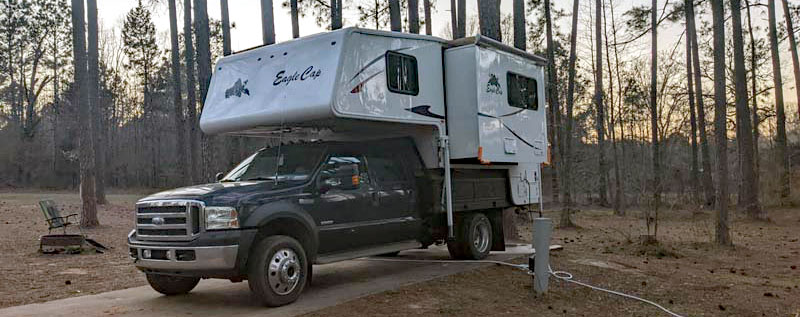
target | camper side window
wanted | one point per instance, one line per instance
(522, 91)
(401, 73)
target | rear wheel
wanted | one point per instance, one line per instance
(171, 285)
(277, 270)
(473, 238)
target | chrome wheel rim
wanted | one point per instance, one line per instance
(480, 237)
(283, 271)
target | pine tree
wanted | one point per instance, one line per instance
(80, 98)
(720, 124)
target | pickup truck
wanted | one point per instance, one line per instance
(288, 207)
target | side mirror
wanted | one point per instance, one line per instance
(220, 176)
(342, 177)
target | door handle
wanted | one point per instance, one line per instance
(376, 198)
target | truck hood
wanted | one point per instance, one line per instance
(220, 194)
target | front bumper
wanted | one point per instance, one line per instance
(190, 259)
(211, 255)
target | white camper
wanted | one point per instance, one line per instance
(484, 99)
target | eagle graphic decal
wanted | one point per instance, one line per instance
(238, 88)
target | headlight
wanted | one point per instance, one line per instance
(221, 218)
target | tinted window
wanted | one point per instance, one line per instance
(387, 170)
(522, 92)
(401, 73)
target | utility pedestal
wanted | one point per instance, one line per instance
(542, 229)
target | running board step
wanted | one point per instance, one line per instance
(360, 253)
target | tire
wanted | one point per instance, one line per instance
(473, 238)
(277, 270)
(171, 285)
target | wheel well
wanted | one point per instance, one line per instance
(292, 228)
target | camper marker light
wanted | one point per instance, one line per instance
(221, 218)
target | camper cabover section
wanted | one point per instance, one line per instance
(346, 85)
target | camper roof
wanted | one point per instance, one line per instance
(488, 42)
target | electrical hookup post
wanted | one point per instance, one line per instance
(542, 230)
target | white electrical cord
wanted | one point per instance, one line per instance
(566, 276)
(561, 275)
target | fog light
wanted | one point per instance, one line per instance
(146, 254)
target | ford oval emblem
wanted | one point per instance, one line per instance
(158, 221)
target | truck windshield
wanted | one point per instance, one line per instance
(291, 164)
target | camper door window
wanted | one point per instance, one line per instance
(522, 91)
(401, 73)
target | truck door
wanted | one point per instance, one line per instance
(395, 197)
(345, 199)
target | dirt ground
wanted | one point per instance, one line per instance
(26, 276)
(686, 273)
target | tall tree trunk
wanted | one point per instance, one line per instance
(295, 19)
(177, 99)
(598, 100)
(95, 103)
(619, 198)
(654, 114)
(267, 23)
(191, 93)
(413, 16)
(489, 19)
(617, 204)
(793, 48)
(454, 18)
(462, 18)
(394, 16)
(720, 125)
(201, 29)
(226, 27)
(780, 137)
(336, 14)
(567, 176)
(428, 23)
(553, 96)
(754, 87)
(520, 38)
(748, 191)
(694, 176)
(80, 99)
(705, 152)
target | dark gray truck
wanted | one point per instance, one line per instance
(288, 207)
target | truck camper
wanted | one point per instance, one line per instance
(386, 141)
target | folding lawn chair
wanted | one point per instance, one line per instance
(53, 216)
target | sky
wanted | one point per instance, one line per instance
(245, 14)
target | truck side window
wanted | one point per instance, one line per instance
(345, 172)
(387, 171)
(401, 73)
(522, 91)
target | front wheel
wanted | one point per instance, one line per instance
(171, 285)
(473, 238)
(277, 270)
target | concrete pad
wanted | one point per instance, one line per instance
(332, 284)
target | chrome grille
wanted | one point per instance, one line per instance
(168, 220)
